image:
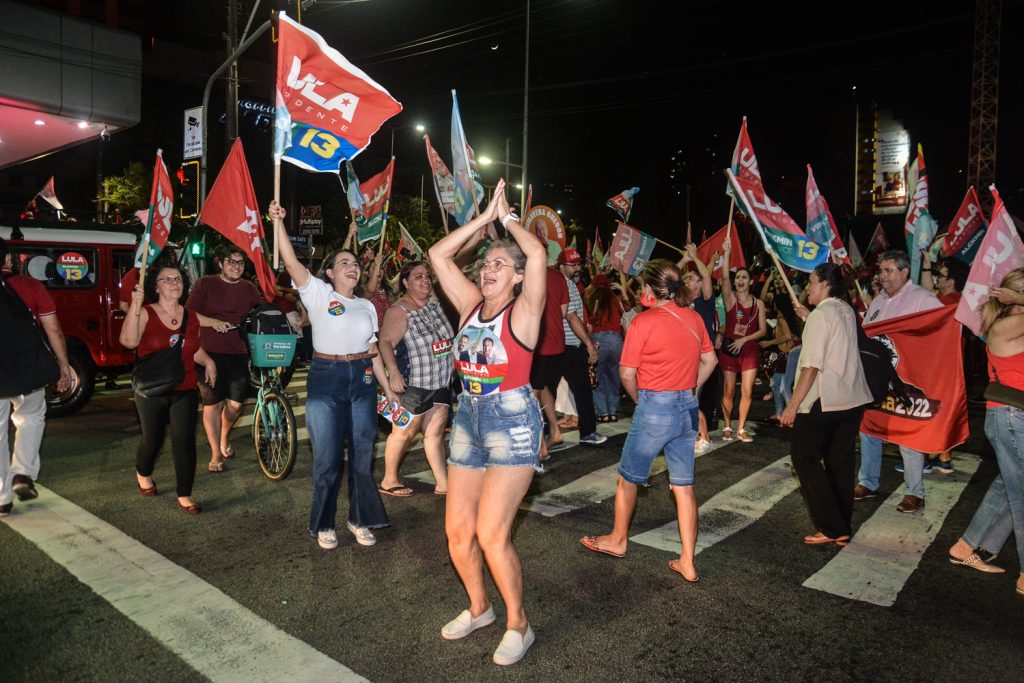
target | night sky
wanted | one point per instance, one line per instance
(618, 88)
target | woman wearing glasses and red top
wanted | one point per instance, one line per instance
(495, 440)
(342, 383)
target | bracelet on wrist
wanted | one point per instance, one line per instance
(509, 217)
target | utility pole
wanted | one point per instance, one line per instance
(981, 149)
(231, 93)
(526, 106)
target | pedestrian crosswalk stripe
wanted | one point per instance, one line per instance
(888, 547)
(731, 510)
(214, 634)
(246, 420)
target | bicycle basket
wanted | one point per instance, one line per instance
(269, 337)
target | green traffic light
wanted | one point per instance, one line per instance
(197, 249)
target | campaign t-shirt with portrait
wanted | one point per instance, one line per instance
(489, 358)
(341, 325)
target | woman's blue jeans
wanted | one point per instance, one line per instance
(341, 409)
(1002, 509)
(608, 391)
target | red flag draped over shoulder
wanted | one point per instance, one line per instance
(938, 419)
(233, 210)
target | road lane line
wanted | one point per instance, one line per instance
(888, 547)
(731, 510)
(246, 420)
(214, 634)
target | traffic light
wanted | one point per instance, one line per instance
(197, 248)
(188, 194)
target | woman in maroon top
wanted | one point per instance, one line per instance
(606, 308)
(149, 329)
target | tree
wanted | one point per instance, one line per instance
(130, 191)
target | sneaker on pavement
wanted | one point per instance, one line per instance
(23, 487)
(910, 504)
(6, 509)
(328, 540)
(594, 439)
(861, 492)
(701, 446)
(927, 469)
(943, 466)
(464, 624)
(513, 646)
(363, 535)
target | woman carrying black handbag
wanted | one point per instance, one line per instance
(152, 331)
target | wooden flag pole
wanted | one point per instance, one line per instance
(666, 244)
(145, 256)
(785, 278)
(277, 198)
(732, 210)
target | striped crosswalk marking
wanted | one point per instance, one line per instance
(214, 634)
(731, 510)
(888, 547)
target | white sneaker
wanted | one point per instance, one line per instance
(594, 439)
(513, 646)
(700, 446)
(464, 624)
(328, 540)
(363, 535)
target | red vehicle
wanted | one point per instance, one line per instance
(82, 269)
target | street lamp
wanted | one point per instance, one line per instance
(419, 127)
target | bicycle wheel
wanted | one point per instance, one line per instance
(274, 435)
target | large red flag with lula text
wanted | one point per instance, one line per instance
(707, 249)
(232, 209)
(937, 420)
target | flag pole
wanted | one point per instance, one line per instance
(732, 211)
(277, 198)
(681, 251)
(785, 278)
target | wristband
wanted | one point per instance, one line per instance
(509, 217)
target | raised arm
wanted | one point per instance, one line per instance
(728, 297)
(706, 286)
(298, 272)
(529, 307)
(459, 289)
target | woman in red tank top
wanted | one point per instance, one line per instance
(738, 352)
(1002, 509)
(495, 440)
(150, 329)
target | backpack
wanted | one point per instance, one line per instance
(27, 362)
(265, 319)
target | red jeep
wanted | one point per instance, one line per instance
(82, 270)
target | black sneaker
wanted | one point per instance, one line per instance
(24, 488)
(6, 509)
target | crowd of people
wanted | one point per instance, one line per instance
(478, 349)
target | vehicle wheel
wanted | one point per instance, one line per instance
(274, 436)
(83, 378)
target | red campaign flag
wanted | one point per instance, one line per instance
(967, 229)
(1000, 252)
(937, 420)
(744, 163)
(49, 193)
(878, 242)
(232, 209)
(821, 227)
(159, 215)
(708, 247)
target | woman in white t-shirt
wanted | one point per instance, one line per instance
(342, 390)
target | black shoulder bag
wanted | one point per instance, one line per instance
(1000, 393)
(27, 362)
(158, 373)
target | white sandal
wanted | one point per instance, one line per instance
(743, 436)
(727, 434)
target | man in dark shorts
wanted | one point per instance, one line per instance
(220, 302)
(702, 301)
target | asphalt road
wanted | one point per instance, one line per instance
(378, 611)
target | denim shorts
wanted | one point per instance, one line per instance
(501, 429)
(664, 421)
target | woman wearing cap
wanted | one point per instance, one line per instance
(496, 435)
(342, 399)
(666, 357)
(738, 353)
(416, 325)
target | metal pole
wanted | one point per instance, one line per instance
(392, 141)
(231, 92)
(856, 152)
(206, 102)
(526, 104)
(421, 198)
(508, 142)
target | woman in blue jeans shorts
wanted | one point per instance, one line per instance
(495, 440)
(1002, 509)
(342, 384)
(667, 355)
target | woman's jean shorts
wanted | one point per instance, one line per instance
(501, 429)
(664, 421)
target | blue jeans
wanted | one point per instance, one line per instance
(1002, 509)
(792, 360)
(663, 421)
(779, 392)
(341, 409)
(871, 466)
(609, 387)
(500, 429)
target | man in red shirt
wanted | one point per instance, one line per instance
(17, 475)
(547, 358)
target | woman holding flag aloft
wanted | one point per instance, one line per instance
(738, 350)
(496, 436)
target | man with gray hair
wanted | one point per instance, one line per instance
(898, 297)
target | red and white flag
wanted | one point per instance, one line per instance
(50, 195)
(706, 251)
(878, 242)
(1000, 252)
(937, 420)
(159, 215)
(744, 163)
(966, 231)
(232, 209)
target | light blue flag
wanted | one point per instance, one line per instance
(465, 205)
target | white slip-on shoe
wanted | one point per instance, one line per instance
(328, 539)
(513, 646)
(464, 624)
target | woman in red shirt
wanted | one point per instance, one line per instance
(666, 357)
(148, 329)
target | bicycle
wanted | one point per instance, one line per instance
(274, 434)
